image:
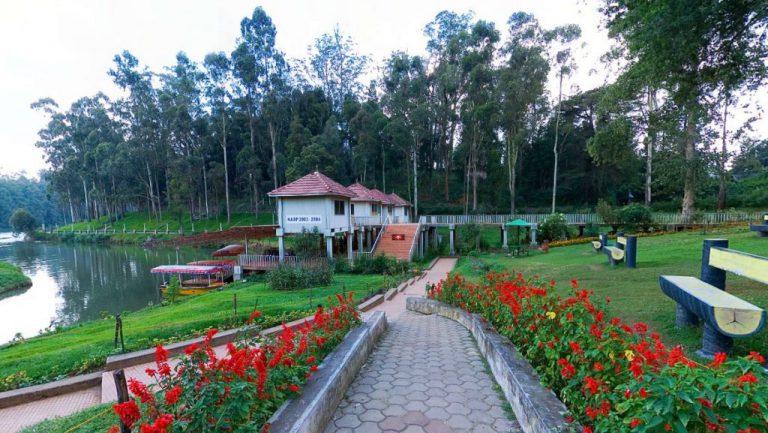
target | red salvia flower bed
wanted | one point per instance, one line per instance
(241, 390)
(612, 376)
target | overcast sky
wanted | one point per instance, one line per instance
(63, 48)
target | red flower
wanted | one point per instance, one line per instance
(748, 378)
(114, 429)
(706, 403)
(210, 334)
(642, 393)
(140, 390)
(597, 367)
(634, 423)
(172, 396)
(128, 412)
(574, 284)
(161, 355)
(756, 357)
(293, 388)
(254, 315)
(587, 429)
(720, 358)
(192, 348)
(575, 348)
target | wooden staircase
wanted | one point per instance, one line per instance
(397, 240)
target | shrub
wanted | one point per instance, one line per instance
(469, 238)
(614, 377)
(635, 215)
(289, 277)
(241, 390)
(379, 265)
(606, 212)
(553, 228)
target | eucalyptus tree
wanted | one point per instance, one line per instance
(692, 49)
(140, 116)
(479, 113)
(406, 102)
(448, 37)
(335, 65)
(561, 39)
(262, 75)
(218, 92)
(521, 90)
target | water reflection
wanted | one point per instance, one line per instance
(76, 283)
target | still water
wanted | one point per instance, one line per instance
(77, 283)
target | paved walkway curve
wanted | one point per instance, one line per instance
(426, 376)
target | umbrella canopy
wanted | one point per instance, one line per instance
(188, 269)
(517, 223)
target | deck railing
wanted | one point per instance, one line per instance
(712, 218)
(416, 238)
(264, 262)
(373, 220)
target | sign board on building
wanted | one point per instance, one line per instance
(398, 237)
(304, 219)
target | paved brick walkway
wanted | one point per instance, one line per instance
(15, 418)
(425, 376)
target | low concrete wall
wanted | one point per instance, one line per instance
(390, 293)
(538, 410)
(370, 303)
(38, 392)
(314, 409)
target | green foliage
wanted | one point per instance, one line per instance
(291, 277)
(606, 212)
(11, 277)
(553, 228)
(30, 194)
(173, 290)
(94, 419)
(22, 222)
(469, 238)
(635, 215)
(379, 264)
(307, 243)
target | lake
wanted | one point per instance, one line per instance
(73, 283)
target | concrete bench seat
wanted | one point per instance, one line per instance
(625, 250)
(725, 316)
(761, 229)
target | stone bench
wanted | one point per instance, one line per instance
(761, 229)
(725, 316)
(600, 244)
(624, 251)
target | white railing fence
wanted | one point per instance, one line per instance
(593, 218)
(416, 238)
(267, 262)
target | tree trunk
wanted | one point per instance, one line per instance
(690, 168)
(473, 159)
(415, 179)
(273, 140)
(87, 204)
(151, 190)
(650, 147)
(226, 165)
(721, 194)
(555, 149)
(512, 172)
(71, 207)
(205, 192)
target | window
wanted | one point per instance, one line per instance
(351, 209)
(406, 211)
(375, 208)
(338, 207)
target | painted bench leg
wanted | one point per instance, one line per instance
(684, 318)
(714, 342)
(762, 234)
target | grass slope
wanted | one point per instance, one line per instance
(11, 277)
(94, 419)
(137, 221)
(82, 348)
(635, 294)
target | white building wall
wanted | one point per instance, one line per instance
(297, 213)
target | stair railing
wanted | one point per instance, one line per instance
(378, 236)
(416, 236)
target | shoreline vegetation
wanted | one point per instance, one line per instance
(83, 348)
(12, 278)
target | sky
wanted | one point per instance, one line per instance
(62, 49)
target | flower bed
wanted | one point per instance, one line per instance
(614, 377)
(242, 389)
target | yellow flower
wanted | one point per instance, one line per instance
(610, 355)
(629, 355)
(551, 315)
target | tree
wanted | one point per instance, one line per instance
(692, 49)
(336, 66)
(22, 222)
(218, 85)
(564, 63)
(522, 80)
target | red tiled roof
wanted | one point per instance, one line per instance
(385, 199)
(312, 184)
(362, 193)
(399, 201)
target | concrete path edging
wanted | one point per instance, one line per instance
(537, 409)
(312, 411)
(370, 303)
(51, 389)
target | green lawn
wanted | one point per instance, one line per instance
(85, 347)
(11, 277)
(635, 294)
(94, 419)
